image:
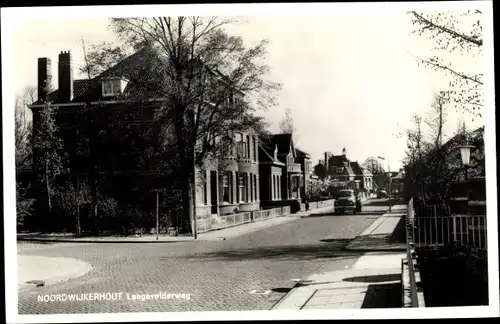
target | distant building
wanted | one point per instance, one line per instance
(340, 170)
(363, 177)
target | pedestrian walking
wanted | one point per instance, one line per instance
(307, 203)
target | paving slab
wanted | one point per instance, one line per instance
(345, 289)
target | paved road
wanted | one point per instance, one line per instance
(216, 275)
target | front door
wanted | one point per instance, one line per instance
(213, 191)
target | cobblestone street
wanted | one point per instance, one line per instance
(217, 275)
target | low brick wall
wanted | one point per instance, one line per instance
(221, 222)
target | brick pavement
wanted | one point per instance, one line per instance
(372, 282)
(218, 275)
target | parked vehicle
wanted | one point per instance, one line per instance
(382, 194)
(347, 200)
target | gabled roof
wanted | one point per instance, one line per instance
(341, 161)
(283, 141)
(356, 168)
(266, 155)
(141, 69)
(301, 153)
(366, 172)
(399, 175)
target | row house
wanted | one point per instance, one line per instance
(282, 175)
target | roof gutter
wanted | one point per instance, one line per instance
(75, 104)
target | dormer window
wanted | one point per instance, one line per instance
(113, 87)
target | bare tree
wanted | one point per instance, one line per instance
(436, 119)
(99, 57)
(47, 146)
(415, 138)
(210, 84)
(455, 32)
(23, 127)
(373, 165)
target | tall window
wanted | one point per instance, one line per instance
(274, 187)
(254, 149)
(241, 187)
(205, 190)
(251, 188)
(248, 146)
(255, 186)
(225, 187)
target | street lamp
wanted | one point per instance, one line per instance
(389, 180)
(465, 155)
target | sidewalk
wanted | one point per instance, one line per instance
(373, 282)
(215, 235)
(33, 271)
(378, 236)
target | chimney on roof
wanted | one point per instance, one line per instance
(44, 77)
(65, 73)
(326, 161)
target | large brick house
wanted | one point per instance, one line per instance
(119, 99)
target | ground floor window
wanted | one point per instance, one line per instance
(251, 188)
(255, 186)
(225, 187)
(241, 187)
(274, 187)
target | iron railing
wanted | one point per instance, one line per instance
(409, 257)
(225, 221)
(435, 225)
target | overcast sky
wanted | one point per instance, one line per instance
(348, 78)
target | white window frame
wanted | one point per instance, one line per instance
(113, 84)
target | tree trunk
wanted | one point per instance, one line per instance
(78, 227)
(47, 187)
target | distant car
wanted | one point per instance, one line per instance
(347, 200)
(382, 194)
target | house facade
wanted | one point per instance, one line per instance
(304, 159)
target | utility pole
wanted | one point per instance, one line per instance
(157, 190)
(157, 214)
